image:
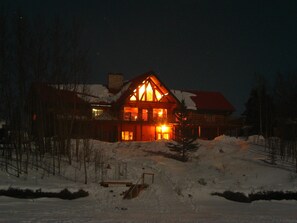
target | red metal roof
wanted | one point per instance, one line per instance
(211, 101)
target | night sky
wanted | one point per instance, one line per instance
(203, 45)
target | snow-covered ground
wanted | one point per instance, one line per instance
(181, 192)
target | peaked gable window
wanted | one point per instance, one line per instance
(147, 91)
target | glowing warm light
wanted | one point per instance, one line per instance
(149, 92)
(164, 128)
(127, 135)
(158, 95)
(162, 132)
(165, 136)
(130, 113)
(141, 93)
(96, 112)
(159, 114)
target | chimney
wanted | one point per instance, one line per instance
(115, 82)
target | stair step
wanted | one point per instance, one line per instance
(134, 191)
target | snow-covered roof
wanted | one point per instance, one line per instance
(95, 93)
(186, 96)
(204, 100)
(194, 100)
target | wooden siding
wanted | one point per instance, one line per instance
(208, 119)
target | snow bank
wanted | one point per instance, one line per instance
(181, 192)
(227, 139)
(256, 139)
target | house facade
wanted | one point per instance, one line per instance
(142, 109)
(138, 110)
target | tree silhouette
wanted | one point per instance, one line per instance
(184, 134)
(259, 109)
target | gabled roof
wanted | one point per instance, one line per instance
(204, 100)
(133, 84)
(97, 94)
(194, 99)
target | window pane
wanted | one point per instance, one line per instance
(158, 95)
(130, 114)
(96, 112)
(165, 136)
(149, 92)
(141, 93)
(126, 135)
(159, 114)
(144, 114)
(133, 98)
(163, 132)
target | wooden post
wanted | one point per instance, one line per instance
(142, 178)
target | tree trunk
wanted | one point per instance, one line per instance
(85, 159)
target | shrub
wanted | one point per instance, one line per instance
(264, 195)
(233, 196)
(30, 194)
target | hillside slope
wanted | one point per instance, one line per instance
(180, 191)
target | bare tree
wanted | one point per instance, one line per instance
(5, 85)
(85, 155)
(41, 53)
(5, 73)
(75, 61)
(22, 77)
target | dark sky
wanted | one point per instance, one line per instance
(199, 44)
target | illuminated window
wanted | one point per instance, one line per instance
(158, 95)
(162, 132)
(130, 114)
(127, 135)
(142, 93)
(147, 91)
(96, 112)
(162, 136)
(133, 98)
(159, 114)
(144, 114)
